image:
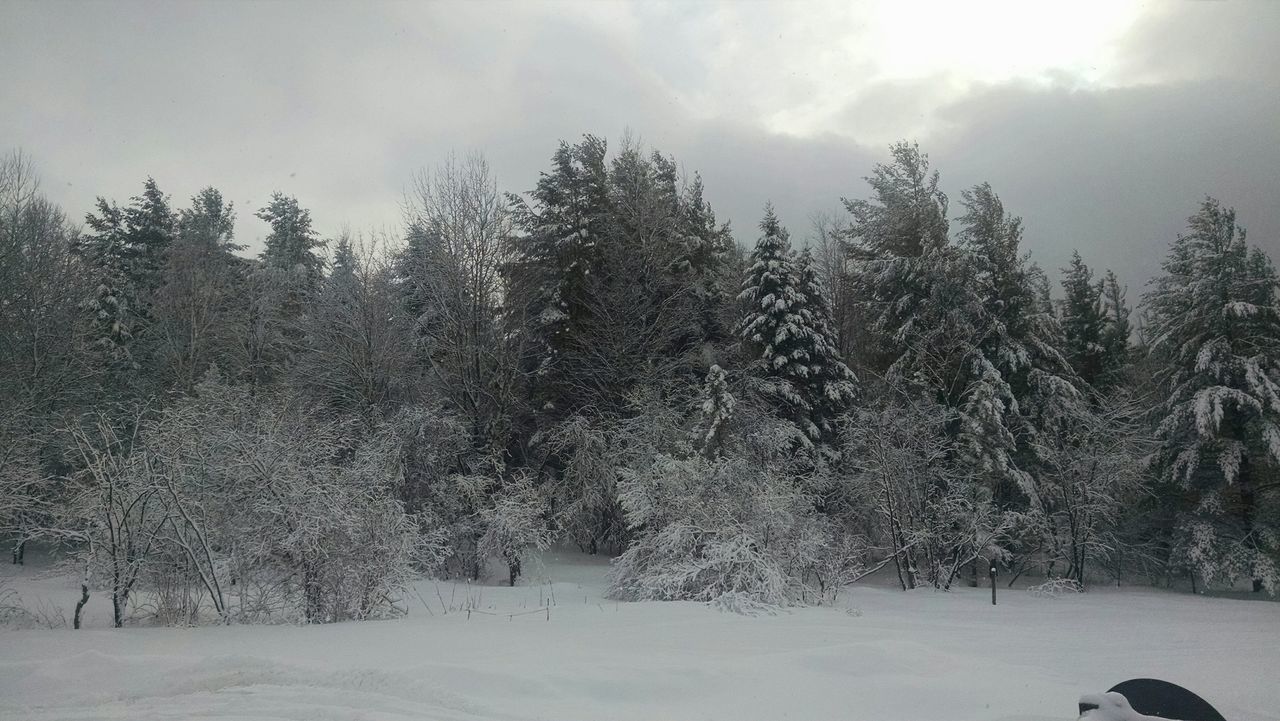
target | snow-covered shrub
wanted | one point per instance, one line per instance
(273, 510)
(10, 605)
(514, 525)
(929, 508)
(446, 485)
(20, 480)
(1207, 548)
(1056, 587)
(1092, 469)
(111, 514)
(175, 596)
(728, 518)
(584, 490)
(710, 528)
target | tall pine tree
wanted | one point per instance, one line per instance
(896, 240)
(1216, 336)
(830, 385)
(127, 251)
(1116, 329)
(1082, 320)
(292, 245)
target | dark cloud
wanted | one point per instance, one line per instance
(339, 104)
(1114, 173)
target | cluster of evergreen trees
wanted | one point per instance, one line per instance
(597, 361)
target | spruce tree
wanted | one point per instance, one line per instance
(292, 245)
(788, 337)
(342, 269)
(564, 224)
(1116, 329)
(152, 226)
(1215, 336)
(127, 252)
(706, 247)
(1082, 320)
(113, 305)
(209, 223)
(830, 386)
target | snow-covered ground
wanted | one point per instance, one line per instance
(878, 654)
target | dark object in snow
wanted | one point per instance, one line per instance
(993, 584)
(1147, 698)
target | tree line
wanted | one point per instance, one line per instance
(295, 436)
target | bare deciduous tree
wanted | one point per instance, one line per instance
(460, 240)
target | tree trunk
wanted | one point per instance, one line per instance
(1248, 507)
(84, 598)
(19, 550)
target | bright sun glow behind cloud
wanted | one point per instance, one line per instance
(997, 41)
(933, 52)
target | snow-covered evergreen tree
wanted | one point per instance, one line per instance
(1116, 329)
(343, 267)
(830, 386)
(702, 263)
(773, 328)
(292, 245)
(200, 295)
(563, 226)
(152, 225)
(127, 252)
(892, 236)
(1095, 324)
(717, 411)
(1215, 332)
(113, 305)
(1082, 320)
(1021, 342)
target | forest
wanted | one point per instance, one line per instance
(205, 436)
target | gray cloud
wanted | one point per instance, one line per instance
(340, 104)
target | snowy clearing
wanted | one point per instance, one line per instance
(878, 654)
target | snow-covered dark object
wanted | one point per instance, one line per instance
(1146, 699)
(1109, 706)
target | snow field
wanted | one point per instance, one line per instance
(878, 655)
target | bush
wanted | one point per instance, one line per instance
(259, 509)
(736, 528)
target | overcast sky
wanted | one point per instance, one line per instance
(1102, 123)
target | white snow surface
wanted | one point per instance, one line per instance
(878, 654)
